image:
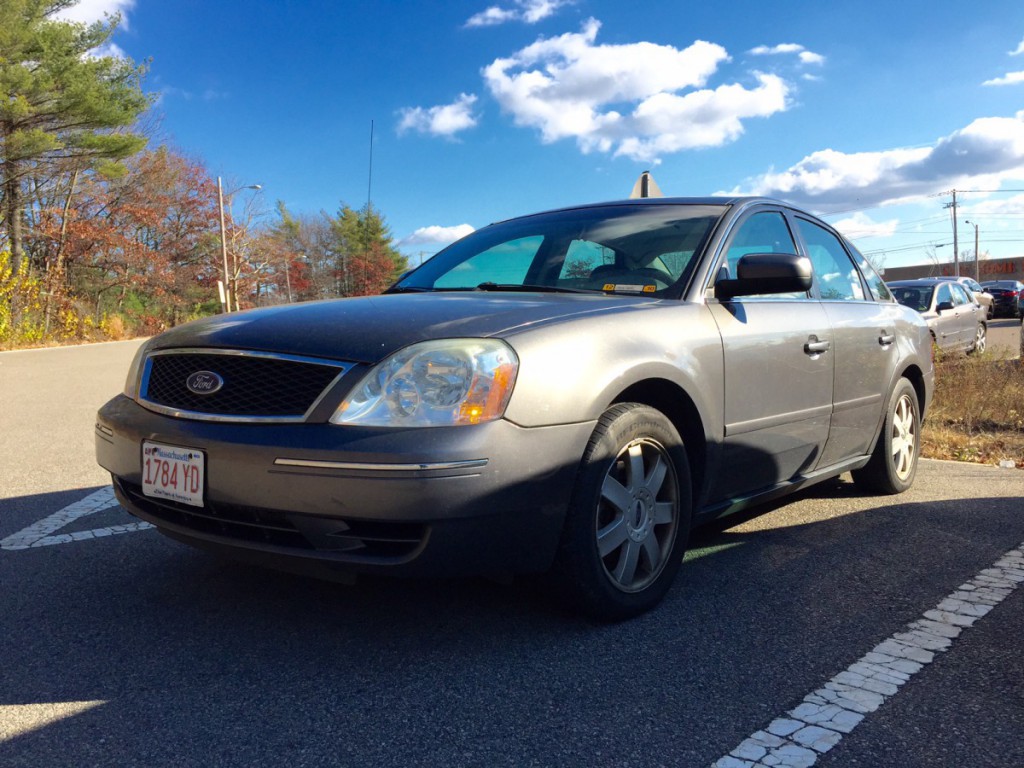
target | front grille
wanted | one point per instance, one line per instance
(358, 539)
(260, 386)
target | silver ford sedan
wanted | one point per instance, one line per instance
(568, 392)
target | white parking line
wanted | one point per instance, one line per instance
(39, 534)
(827, 714)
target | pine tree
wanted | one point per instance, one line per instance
(59, 101)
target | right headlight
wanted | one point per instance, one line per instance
(434, 383)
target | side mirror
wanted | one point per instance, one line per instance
(942, 306)
(767, 273)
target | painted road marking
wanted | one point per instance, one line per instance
(834, 710)
(40, 534)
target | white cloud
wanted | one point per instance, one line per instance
(1019, 50)
(436, 235)
(1011, 78)
(528, 11)
(985, 152)
(805, 56)
(862, 225)
(627, 98)
(443, 120)
(774, 50)
(88, 11)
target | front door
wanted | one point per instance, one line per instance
(778, 373)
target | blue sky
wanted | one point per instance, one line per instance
(865, 112)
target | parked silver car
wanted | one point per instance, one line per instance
(980, 293)
(567, 392)
(956, 320)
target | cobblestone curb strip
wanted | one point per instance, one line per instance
(827, 714)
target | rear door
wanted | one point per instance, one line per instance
(863, 324)
(778, 372)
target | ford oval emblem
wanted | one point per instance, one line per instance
(204, 383)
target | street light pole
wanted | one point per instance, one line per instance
(225, 289)
(977, 254)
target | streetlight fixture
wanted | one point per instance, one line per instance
(977, 255)
(227, 289)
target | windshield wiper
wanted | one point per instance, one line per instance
(520, 288)
(408, 289)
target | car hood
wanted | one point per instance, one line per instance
(368, 328)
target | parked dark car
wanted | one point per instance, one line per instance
(567, 392)
(1007, 297)
(956, 320)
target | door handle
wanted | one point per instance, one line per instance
(815, 347)
(886, 338)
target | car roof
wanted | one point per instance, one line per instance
(921, 281)
(721, 200)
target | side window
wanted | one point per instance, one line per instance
(960, 295)
(765, 232)
(876, 285)
(945, 295)
(505, 263)
(838, 279)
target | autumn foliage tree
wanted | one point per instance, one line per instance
(146, 240)
(62, 106)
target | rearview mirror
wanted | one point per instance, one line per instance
(942, 306)
(766, 273)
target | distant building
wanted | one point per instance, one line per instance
(988, 269)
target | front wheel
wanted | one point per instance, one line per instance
(893, 463)
(629, 519)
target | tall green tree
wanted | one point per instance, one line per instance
(367, 262)
(60, 102)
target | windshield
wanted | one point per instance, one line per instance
(613, 249)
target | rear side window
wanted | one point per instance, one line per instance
(837, 276)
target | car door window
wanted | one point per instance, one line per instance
(944, 295)
(837, 276)
(960, 295)
(764, 232)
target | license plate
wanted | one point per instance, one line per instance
(172, 472)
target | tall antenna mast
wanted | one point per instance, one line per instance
(369, 183)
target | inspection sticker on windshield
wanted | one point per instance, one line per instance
(173, 473)
(630, 288)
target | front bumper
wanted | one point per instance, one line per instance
(441, 501)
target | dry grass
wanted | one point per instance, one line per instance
(978, 411)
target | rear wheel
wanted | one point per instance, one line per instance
(893, 463)
(980, 339)
(629, 520)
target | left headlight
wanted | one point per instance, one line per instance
(434, 384)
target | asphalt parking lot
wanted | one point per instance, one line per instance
(124, 648)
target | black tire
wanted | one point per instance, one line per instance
(893, 463)
(627, 525)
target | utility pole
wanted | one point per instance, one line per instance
(956, 244)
